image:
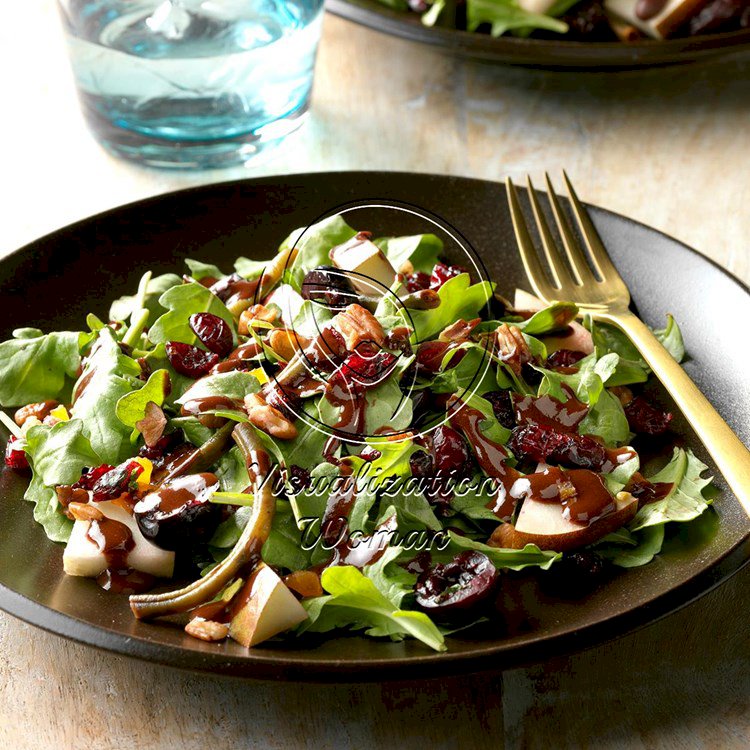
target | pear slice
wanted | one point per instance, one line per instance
(543, 524)
(268, 608)
(370, 268)
(82, 556)
(664, 23)
(288, 300)
(577, 338)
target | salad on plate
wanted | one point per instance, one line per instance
(355, 435)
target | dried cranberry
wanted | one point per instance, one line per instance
(577, 574)
(420, 563)
(502, 407)
(288, 403)
(214, 332)
(329, 286)
(162, 446)
(370, 454)
(588, 22)
(451, 452)
(189, 360)
(364, 370)
(416, 282)
(180, 512)
(646, 418)
(224, 288)
(532, 441)
(468, 580)
(443, 272)
(422, 464)
(299, 478)
(115, 482)
(91, 476)
(15, 456)
(564, 358)
(430, 355)
(721, 15)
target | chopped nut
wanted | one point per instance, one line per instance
(207, 630)
(306, 583)
(152, 425)
(358, 325)
(623, 393)
(85, 512)
(256, 312)
(38, 410)
(285, 343)
(460, 330)
(269, 419)
(566, 489)
(512, 348)
(66, 494)
(424, 299)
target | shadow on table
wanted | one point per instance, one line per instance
(682, 682)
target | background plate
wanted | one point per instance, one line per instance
(54, 282)
(541, 52)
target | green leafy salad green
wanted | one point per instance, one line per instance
(355, 435)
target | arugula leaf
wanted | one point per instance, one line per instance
(685, 500)
(35, 367)
(107, 376)
(57, 454)
(421, 250)
(122, 308)
(233, 385)
(393, 581)
(282, 549)
(131, 408)
(671, 339)
(507, 15)
(606, 416)
(315, 242)
(157, 359)
(459, 298)
(250, 269)
(181, 302)
(473, 371)
(554, 317)
(513, 559)
(633, 551)
(200, 270)
(355, 601)
(607, 420)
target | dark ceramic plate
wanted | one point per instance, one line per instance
(541, 52)
(56, 280)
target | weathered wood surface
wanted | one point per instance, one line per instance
(666, 147)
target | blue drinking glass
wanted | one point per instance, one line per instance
(192, 83)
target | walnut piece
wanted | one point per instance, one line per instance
(269, 419)
(85, 512)
(286, 343)
(38, 410)
(256, 312)
(358, 325)
(459, 331)
(512, 348)
(207, 630)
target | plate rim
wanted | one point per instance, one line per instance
(287, 667)
(541, 53)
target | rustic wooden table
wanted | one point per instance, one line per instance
(666, 147)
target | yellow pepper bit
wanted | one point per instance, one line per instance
(144, 478)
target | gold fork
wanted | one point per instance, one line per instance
(598, 289)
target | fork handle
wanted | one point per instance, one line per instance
(731, 456)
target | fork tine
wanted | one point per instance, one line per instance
(599, 256)
(531, 264)
(576, 258)
(554, 259)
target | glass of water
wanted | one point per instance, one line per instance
(192, 83)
